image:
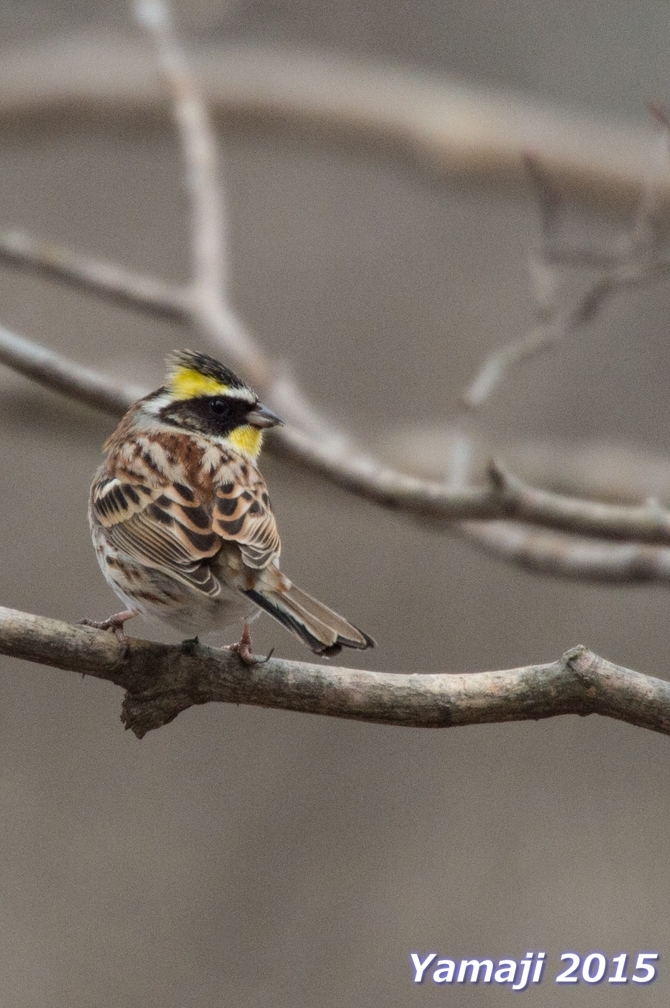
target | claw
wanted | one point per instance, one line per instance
(243, 647)
(115, 623)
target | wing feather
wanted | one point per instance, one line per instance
(164, 527)
(157, 546)
(243, 514)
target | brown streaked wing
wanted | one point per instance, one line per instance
(114, 500)
(155, 545)
(166, 528)
(243, 514)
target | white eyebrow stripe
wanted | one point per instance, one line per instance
(235, 393)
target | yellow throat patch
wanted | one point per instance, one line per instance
(187, 383)
(247, 440)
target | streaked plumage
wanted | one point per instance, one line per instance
(181, 518)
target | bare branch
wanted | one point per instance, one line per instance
(646, 236)
(496, 366)
(505, 497)
(638, 263)
(326, 449)
(429, 124)
(64, 376)
(211, 310)
(165, 300)
(208, 233)
(162, 680)
(104, 279)
(649, 523)
(556, 554)
(602, 469)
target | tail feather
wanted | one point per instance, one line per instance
(319, 627)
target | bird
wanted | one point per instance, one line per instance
(181, 519)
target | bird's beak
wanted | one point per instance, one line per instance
(261, 416)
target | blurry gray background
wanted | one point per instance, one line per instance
(249, 857)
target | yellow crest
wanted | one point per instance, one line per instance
(187, 383)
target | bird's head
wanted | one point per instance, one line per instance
(202, 396)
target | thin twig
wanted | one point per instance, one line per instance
(64, 376)
(503, 497)
(209, 239)
(557, 554)
(548, 197)
(644, 239)
(162, 680)
(634, 265)
(95, 276)
(600, 469)
(637, 260)
(324, 448)
(211, 309)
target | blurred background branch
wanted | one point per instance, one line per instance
(316, 441)
(434, 127)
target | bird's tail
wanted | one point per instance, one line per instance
(319, 627)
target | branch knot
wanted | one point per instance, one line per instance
(584, 664)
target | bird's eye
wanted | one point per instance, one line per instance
(218, 406)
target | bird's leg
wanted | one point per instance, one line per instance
(243, 647)
(115, 623)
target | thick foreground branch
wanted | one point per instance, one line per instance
(162, 680)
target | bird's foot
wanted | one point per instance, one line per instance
(243, 647)
(115, 624)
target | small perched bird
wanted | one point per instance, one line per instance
(181, 518)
